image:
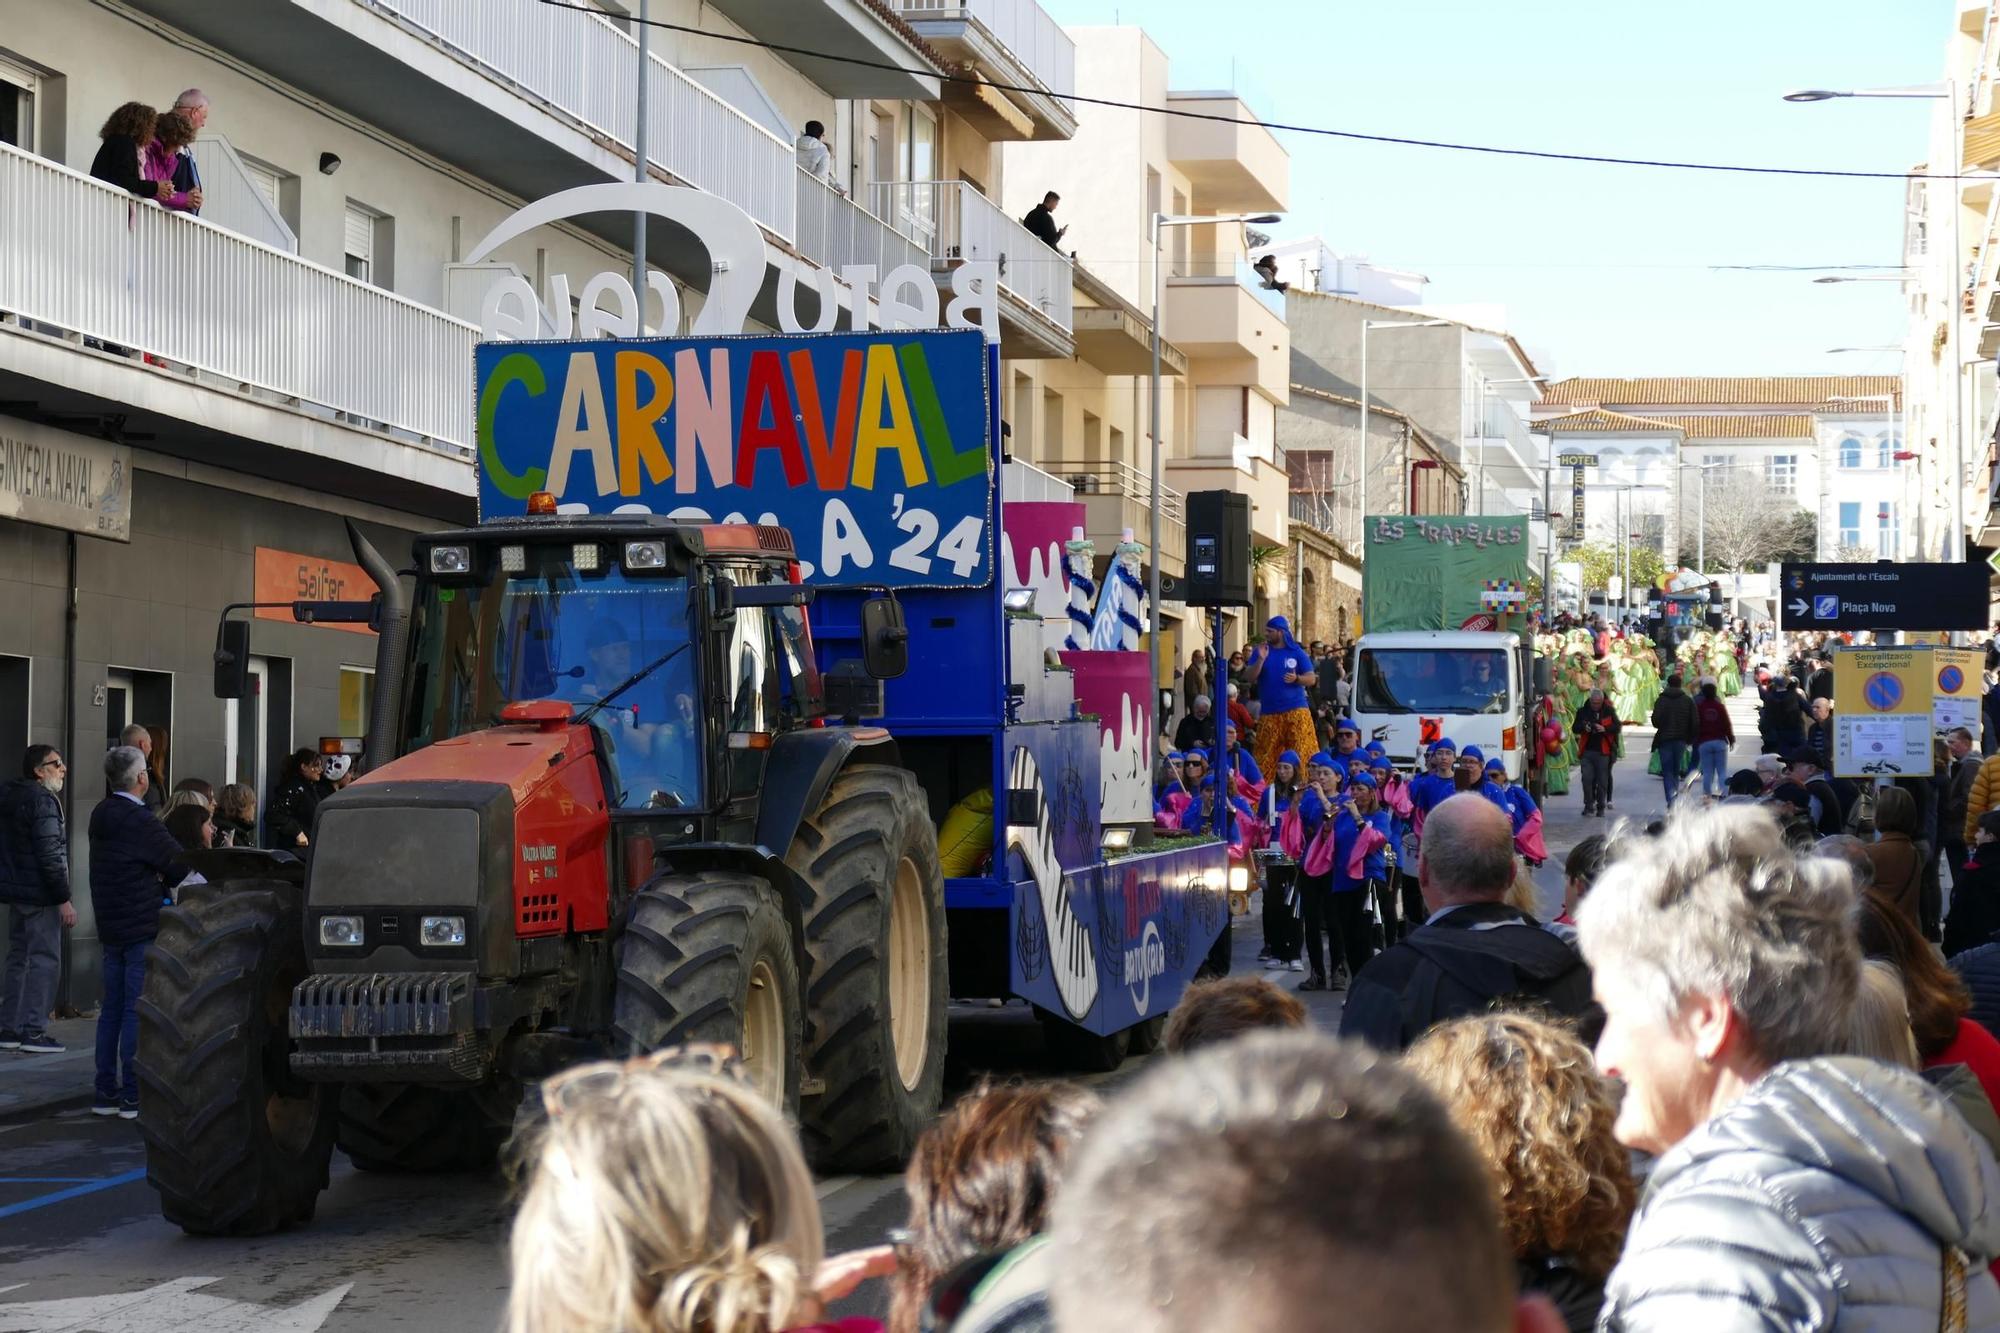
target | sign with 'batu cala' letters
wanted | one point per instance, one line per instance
(870, 447)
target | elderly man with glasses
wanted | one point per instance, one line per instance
(34, 883)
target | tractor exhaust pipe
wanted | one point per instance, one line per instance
(391, 650)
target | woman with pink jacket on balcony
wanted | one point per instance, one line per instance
(171, 133)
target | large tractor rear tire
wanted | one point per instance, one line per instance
(707, 957)
(236, 1144)
(877, 973)
(422, 1129)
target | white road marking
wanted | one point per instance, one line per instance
(170, 1305)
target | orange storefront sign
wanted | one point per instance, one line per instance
(287, 576)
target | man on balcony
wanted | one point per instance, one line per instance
(1041, 220)
(815, 158)
(187, 176)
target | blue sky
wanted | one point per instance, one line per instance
(1604, 270)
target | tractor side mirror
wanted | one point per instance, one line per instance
(232, 659)
(885, 640)
(721, 601)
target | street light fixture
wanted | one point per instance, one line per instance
(1949, 93)
(1366, 325)
(1161, 221)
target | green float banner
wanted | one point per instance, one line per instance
(1437, 572)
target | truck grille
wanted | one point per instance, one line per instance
(382, 1004)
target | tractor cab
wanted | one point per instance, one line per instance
(685, 649)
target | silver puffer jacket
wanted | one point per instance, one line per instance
(1822, 1200)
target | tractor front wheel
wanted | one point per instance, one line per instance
(707, 957)
(236, 1143)
(877, 975)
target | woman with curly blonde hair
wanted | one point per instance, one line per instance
(1528, 1095)
(663, 1195)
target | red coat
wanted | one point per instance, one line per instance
(1711, 722)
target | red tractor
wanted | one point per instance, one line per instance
(605, 809)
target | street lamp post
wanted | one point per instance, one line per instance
(1948, 92)
(1366, 325)
(1160, 222)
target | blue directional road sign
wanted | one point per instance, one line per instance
(1882, 596)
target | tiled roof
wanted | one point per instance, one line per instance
(1718, 390)
(1746, 426)
(1598, 422)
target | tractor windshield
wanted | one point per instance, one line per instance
(550, 631)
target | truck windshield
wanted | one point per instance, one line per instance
(1432, 680)
(551, 632)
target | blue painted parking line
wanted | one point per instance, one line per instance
(74, 1191)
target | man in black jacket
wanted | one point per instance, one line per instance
(34, 883)
(1041, 221)
(1474, 950)
(1674, 734)
(1829, 816)
(134, 863)
(1955, 797)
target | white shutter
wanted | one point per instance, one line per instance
(265, 179)
(360, 233)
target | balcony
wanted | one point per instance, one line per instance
(1248, 470)
(857, 36)
(956, 223)
(1223, 309)
(829, 223)
(534, 97)
(1117, 496)
(1234, 168)
(1011, 43)
(235, 353)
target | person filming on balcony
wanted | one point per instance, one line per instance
(1041, 220)
(815, 158)
(1267, 272)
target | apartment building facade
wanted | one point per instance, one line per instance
(225, 393)
(1225, 343)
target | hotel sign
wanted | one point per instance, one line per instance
(58, 479)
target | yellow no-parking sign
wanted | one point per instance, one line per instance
(1883, 702)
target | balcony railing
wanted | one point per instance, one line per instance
(833, 231)
(82, 258)
(586, 67)
(1123, 480)
(1241, 270)
(956, 221)
(1022, 26)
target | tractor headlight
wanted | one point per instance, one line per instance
(451, 559)
(342, 932)
(1239, 879)
(441, 932)
(645, 555)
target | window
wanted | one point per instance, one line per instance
(369, 245)
(357, 695)
(1453, 680)
(1781, 473)
(1850, 523)
(1888, 530)
(1850, 453)
(1885, 452)
(280, 189)
(18, 86)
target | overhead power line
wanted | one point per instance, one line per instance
(1491, 150)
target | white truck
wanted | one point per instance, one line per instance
(1474, 687)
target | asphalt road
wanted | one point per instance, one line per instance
(82, 1245)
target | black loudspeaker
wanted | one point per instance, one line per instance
(1218, 549)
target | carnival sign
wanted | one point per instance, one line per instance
(871, 448)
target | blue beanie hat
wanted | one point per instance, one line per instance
(1376, 747)
(1473, 752)
(1347, 724)
(1208, 783)
(1175, 755)
(1444, 743)
(1496, 766)
(1362, 780)
(1290, 757)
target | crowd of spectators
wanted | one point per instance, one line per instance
(1787, 1121)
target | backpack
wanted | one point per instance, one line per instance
(1292, 831)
